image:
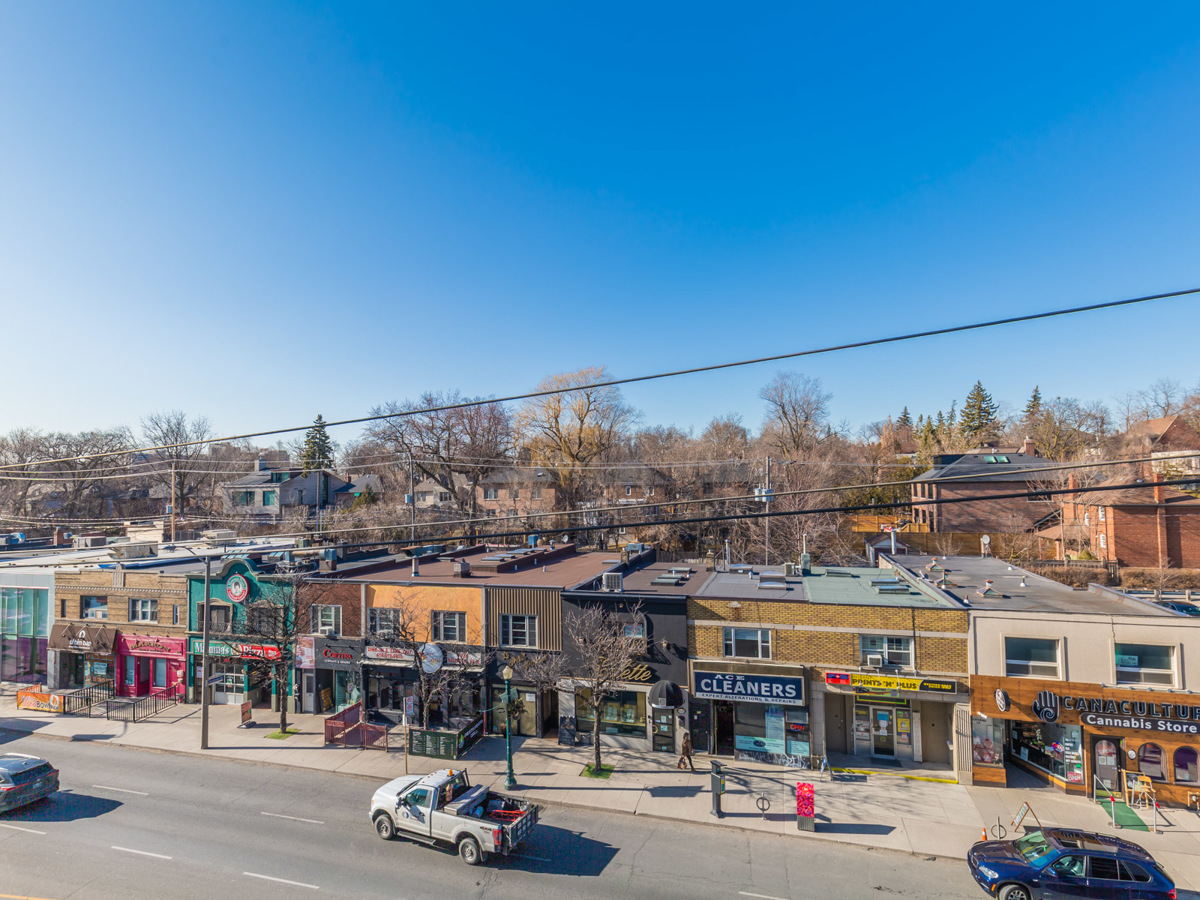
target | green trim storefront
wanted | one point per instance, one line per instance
(233, 587)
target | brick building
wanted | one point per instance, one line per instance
(981, 474)
(854, 660)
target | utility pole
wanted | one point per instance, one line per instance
(767, 548)
(172, 501)
(412, 493)
(204, 656)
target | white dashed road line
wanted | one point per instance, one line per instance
(759, 896)
(105, 787)
(293, 818)
(19, 828)
(313, 887)
(140, 852)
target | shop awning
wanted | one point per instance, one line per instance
(666, 695)
(82, 638)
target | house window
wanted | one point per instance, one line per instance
(143, 610)
(518, 631)
(896, 651)
(490, 493)
(326, 619)
(243, 498)
(383, 623)
(443, 496)
(490, 513)
(94, 607)
(270, 498)
(1103, 540)
(1145, 664)
(220, 618)
(752, 643)
(1087, 518)
(1101, 513)
(514, 494)
(174, 615)
(628, 490)
(450, 627)
(1031, 656)
(535, 493)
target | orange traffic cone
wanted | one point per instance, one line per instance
(983, 836)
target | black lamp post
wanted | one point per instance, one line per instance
(510, 780)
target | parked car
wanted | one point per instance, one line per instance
(1180, 606)
(443, 808)
(24, 779)
(1059, 862)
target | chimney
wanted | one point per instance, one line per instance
(416, 568)
(1029, 448)
(1159, 493)
(1072, 482)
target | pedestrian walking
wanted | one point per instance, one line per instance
(685, 753)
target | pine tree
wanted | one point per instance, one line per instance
(952, 419)
(905, 420)
(1034, 407)
(978, 421)
(318, 449)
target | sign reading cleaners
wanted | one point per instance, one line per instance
(748, 688)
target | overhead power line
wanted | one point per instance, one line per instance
(617, 382)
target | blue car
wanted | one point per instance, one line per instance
(1059, 863)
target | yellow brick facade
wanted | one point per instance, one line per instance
(425, 599)
(119, 587)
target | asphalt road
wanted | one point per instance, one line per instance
(131, 824)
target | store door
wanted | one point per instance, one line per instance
(1106, 758)
(308, 690)
(883, 731)
(664, 730)
(723, 739)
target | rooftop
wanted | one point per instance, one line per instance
(852, 586)
(988, 466)
(560, 567)
(677, 579)
(967, 579)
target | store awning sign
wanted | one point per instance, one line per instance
(746, 688)
(891, 682)
(82, 638)
(230, 650)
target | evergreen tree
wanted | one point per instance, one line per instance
(952, 419)
(318, 449)
(941, 423)
(905, 420)
(1034, 407)
(978, 421)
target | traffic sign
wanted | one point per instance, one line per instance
(215, 679)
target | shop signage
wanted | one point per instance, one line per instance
(306, 653)
(403, 656)
(432, 658)
(149, 645)
(237, 588)
(748, 688)
(892, 682)
(337, 653)
(40, 701)
(82, 638)
(637, 673)
(229, 649)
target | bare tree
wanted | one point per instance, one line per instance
(90, 458)
(566, 432)
(18, 448)
(797, 413)
(181, 458)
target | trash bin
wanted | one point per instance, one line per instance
(805, 807)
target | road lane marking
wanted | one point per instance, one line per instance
(141, 852)
(19, 828)
(527, 856)
(759, 896)
(293, 818)
(105, 787)
(314, 887)
(20, 897)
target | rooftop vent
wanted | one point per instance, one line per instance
(611, 581)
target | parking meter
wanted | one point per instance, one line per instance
(718, 788)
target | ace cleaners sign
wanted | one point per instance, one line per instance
(749, 688)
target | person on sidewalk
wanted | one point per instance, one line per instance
(685, 753)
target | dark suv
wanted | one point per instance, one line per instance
(1059, 862)
(24, 779)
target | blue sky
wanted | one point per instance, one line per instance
(258, 212)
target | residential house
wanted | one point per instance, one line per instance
(267, 493)
(517, 493)
(1173, 444)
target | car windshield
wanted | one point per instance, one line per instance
(1034, 849)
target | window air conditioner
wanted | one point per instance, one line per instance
(611, 581)
(875, 660)
(326, 630)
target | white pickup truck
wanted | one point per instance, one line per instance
(443, 808)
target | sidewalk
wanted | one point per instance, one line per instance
(912, 810)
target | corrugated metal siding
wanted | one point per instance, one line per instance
(545, 603)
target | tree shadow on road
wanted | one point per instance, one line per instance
(65, 806)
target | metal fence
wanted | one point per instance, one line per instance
(135, 709)
(349, 729)
(88, 701)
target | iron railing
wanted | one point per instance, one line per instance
(135, 709)
(87, 701)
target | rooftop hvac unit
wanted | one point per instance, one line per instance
(791, 570)
(134, 551)
(611, 581)
(89, 541)
(875, 660)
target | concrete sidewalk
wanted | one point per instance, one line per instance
(910, 810)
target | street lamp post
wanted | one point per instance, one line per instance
(510, 780)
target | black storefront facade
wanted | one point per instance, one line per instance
(88, 649)
(329, 673)
(391, 683)
(650, 711)
(751, 711)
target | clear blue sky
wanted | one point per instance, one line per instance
(258, 212)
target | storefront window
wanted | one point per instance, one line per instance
(160, 673)
(1031, 656)
(1144, 664)
(621, 713)
(1052, 748)
(1186, 766)
(987, 742)
(1150, 762)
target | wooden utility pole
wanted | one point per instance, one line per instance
(172, 501)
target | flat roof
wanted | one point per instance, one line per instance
(561, 572)
(968, 576)
(847, 585)
(642, 581)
